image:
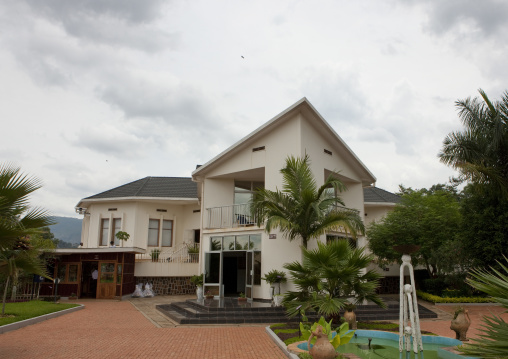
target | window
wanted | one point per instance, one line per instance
(68, 272)
(117, 227)
(108, 233)
(153, 232)
(160, 228)
(351, 241)
(104, 231)
(167, 233)
(245, 189)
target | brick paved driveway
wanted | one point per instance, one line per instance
(112, 329)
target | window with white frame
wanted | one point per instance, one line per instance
(104, 231)
(167, 233)
(109, 231)
(153, 233)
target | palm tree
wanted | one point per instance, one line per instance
(493, 342)
(13, 261)
(480, 152)
(328, 276)
(17, 219)
(301, 209)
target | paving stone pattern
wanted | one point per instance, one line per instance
(112, 329)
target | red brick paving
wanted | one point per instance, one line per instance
(111, 329)
(476, 313)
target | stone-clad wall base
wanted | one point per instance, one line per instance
(169, 285)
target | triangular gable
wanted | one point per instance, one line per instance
(306, 108)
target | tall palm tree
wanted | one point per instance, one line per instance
(493, 341)
(480, 151)
(301, 209)
(17, 219)
(328, 276)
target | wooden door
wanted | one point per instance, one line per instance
(106, 283)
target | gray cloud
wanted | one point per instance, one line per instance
(109, 140)
(132, 11)
(465, 17)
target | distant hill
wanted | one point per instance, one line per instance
(67, 229)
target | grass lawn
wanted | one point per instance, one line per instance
(16, 312)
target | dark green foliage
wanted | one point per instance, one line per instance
(429, 218)
(302, 210)
(434, 285)
(328, 276)
(484, 228)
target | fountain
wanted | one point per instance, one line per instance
(409, 320)
(378, 344)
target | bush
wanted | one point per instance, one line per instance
(434, 285)
(437, 299)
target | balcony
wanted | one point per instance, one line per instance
(234, 216)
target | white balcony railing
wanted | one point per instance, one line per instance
(237, 215)
(170, 255)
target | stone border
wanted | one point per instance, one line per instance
(280, 343)
(24, 323)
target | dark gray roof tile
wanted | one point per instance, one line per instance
(165, 187)
(374, 194)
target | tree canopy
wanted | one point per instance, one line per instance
(480, 151)
(428, 218)
(302, 209)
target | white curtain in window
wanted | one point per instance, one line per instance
(104, 232)
(167, 233)
(153, 232)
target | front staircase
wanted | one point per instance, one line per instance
(231, 311)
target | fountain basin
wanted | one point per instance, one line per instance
(386, 345)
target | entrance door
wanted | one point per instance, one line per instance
(249, 272)
(106, 284)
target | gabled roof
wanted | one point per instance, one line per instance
(149, 187)
(378, 195)
(305, 107)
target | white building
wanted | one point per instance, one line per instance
(165, 216)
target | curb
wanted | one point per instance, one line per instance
(24, 323)
(280, 343)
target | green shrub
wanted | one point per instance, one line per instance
(434, 285)
(437, 299)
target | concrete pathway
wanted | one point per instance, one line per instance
(113, 329)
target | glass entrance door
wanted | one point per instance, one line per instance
(213, 274)
(249, 272)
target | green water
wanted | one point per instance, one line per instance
(384, 348)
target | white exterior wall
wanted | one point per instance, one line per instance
(293, 137)
(135, 216)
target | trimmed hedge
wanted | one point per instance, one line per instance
(437, 299)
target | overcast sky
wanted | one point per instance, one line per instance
(95, 94)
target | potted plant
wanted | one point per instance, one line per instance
(197, 280)
(73, 296)
(193, 252)
(208, 295)
(241, 297)
(275, 277)
(122, 236)
(155, 255)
